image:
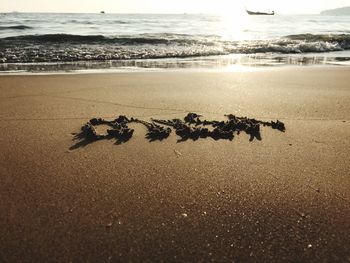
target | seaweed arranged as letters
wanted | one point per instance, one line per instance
(191, 127)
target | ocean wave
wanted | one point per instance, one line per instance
(54, 38)
(286, 46)
(64, 47)
(18, 27)
(167, 38)
(324, 37)
(100, 39)
(120, 22)
(93, 22)
(86, 22)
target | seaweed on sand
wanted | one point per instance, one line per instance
(191, 127)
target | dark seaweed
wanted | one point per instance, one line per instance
(191, 127)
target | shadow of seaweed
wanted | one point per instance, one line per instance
(153, 137)
(82, 139)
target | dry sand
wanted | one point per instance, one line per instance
(283, 199)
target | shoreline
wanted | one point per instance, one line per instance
(140, 70)
(224, 63)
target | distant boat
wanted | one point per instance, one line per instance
(251, 13)
(102, 12)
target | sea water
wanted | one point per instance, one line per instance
(54, 41)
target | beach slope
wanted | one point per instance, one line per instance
(282, 199)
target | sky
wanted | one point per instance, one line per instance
(170, 6)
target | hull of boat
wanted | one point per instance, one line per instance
(259, 13)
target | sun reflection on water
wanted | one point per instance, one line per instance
(235, 25)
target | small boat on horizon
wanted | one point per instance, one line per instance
(102, 12)
(251, 13)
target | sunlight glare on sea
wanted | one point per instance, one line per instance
(235, 25)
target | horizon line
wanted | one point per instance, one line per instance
(139, 13)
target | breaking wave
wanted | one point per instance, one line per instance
(18, 27)
(100, 39)
(66, 47)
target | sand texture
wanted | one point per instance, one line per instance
(285, 198)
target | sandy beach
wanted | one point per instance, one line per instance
(282, 199)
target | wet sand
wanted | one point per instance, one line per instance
(282, 199)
